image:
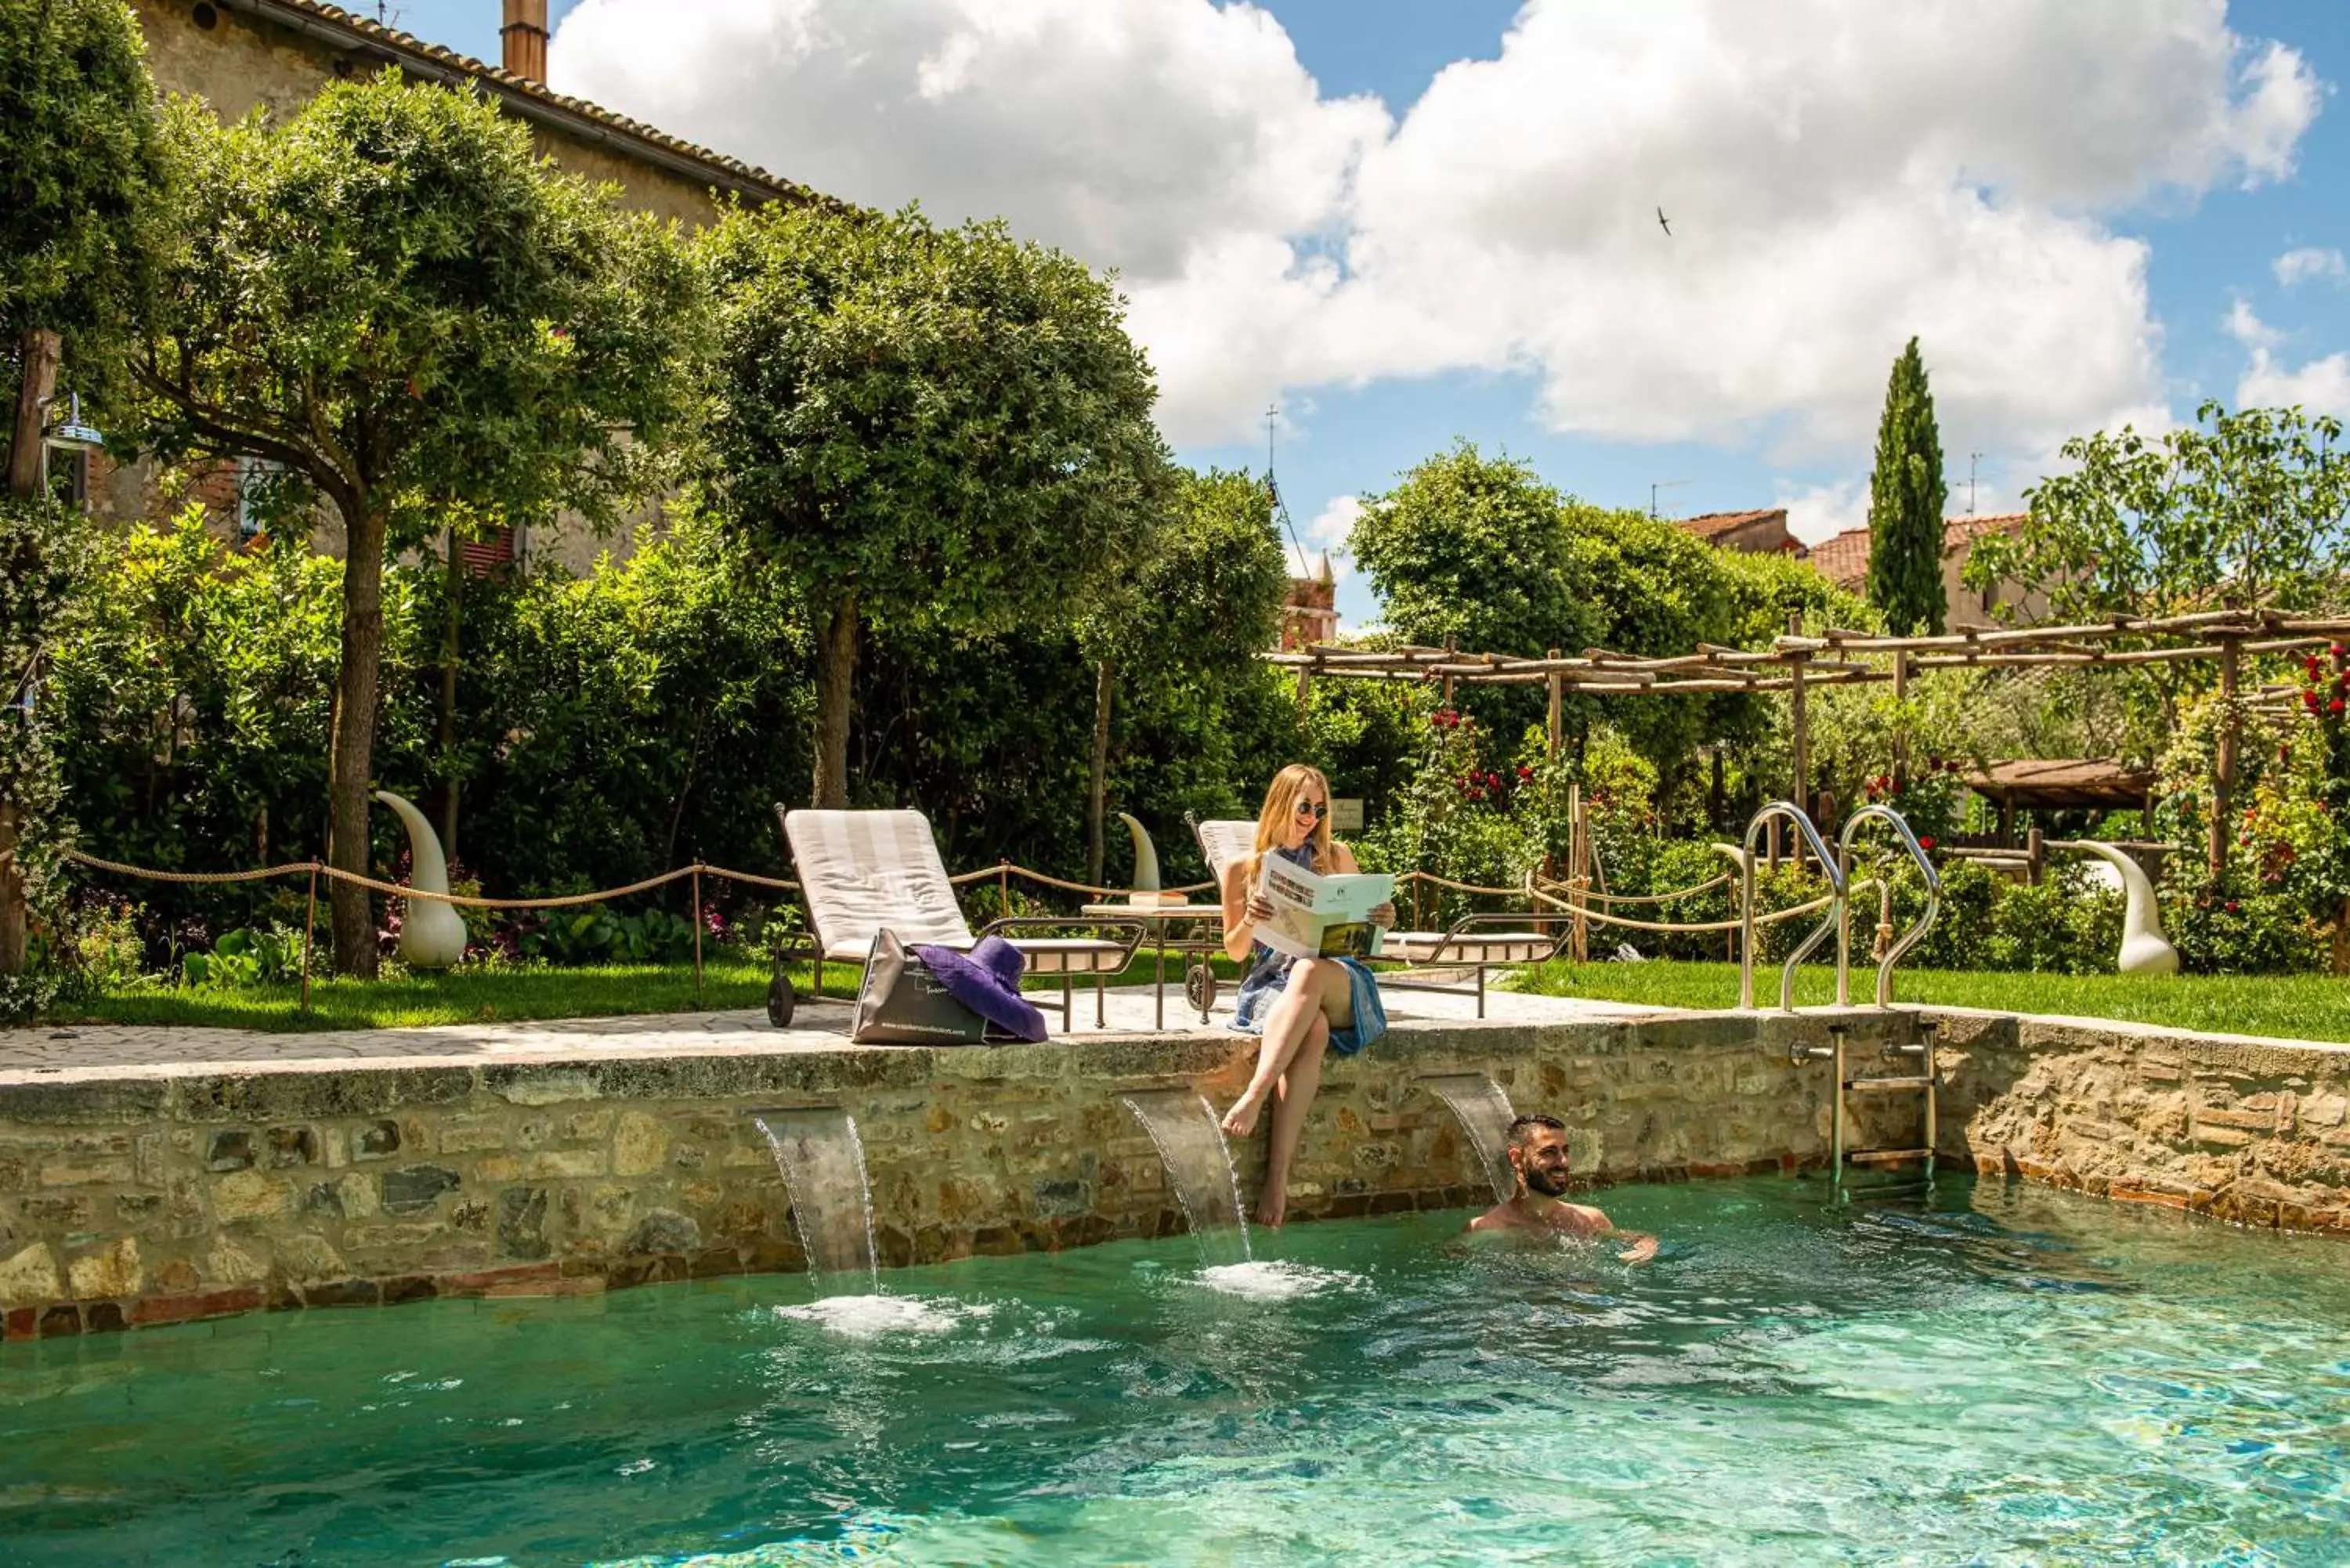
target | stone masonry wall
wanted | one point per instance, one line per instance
(2247, 1130)
(160, 1196)
(132, 1199)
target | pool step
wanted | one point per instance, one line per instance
(1888, 1085)
(1885, 1156)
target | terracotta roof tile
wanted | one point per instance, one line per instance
(1844, 559)
(731, 172)
(1959, 531)
(1712, 525)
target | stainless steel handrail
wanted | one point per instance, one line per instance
(1828, 865)
(1910, 937)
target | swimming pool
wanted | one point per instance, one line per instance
(2014, 1374)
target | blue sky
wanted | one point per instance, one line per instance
(2217, 165)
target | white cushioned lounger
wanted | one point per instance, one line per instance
(864, 871)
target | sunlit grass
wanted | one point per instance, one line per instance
(2294, 1007)
(730, 979)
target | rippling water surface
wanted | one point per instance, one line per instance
(2010, 1375)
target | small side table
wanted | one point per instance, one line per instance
(1166, 924)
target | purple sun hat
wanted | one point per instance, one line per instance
(987, 980)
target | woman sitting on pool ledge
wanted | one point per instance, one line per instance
(1302, 1006)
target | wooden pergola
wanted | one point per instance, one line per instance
(1797, 662)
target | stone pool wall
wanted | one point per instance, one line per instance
(157, 1196)
(2248, 1130)
(136, 1198)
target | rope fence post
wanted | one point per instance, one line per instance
(1003, 886)
(310, 923)
(697, 932)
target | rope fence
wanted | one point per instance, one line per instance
(1002, 872)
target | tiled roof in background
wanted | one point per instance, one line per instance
(1710, 524)
(410, 52)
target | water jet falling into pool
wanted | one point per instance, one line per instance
(1484, 1112)
(1190, 1143)
(823, 1164)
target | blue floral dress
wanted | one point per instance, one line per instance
(1270, 972)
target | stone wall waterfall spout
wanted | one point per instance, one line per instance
(2145, 949)
(432, 934)
(821, 1158)
(1183, 1128)
(1483, 1111)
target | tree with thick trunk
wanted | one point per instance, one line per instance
(395, 304)
(922, 427)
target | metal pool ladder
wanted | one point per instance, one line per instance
(1927, 1082)
(1829, 865)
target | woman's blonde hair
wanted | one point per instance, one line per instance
(1281, 807)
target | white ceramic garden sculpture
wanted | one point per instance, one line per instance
(2145, 949)
(1145, 864)
(432, 934)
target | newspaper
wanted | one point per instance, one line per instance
(1321, 916)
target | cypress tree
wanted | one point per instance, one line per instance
(1905, 504)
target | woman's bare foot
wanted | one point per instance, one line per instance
(1272, 1204)
(1241, 1120)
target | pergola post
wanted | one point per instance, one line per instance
(2224, 779)
(1799, 721)
(1557, 734)
(1900, 728)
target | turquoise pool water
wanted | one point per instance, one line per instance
(2013, 1375)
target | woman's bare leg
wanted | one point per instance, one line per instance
(1294, 1097)
(1309, 993)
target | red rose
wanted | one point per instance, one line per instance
(1492, 781)
(1926, 842)
(1526, 773)
(2232, 906)
(2334, 706)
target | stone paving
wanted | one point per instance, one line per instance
(48, 1052)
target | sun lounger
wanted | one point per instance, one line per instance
(1473, 942)
(862, 872)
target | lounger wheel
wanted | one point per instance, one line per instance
(1199, 988)
(780, 1000)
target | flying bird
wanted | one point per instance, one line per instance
(1664, 224)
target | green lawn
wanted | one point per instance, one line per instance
(730, 980)
(2299, 1007)
(2295, 1007)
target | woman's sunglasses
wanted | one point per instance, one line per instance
(1318, 810)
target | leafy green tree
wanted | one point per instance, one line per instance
(1468, 547)
(1905, 504)
(924, 428)
(1203, 606)
(82, 182)
(2247, 508)
(394, 300)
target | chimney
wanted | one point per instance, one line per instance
(525, 39)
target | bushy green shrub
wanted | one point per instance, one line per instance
(246, 957)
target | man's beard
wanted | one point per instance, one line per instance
(1547, 1183)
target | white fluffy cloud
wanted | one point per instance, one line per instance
(1841, 176)
(1328, 534)
(2309, 262)
(2322, 386)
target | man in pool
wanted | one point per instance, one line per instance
(1538, 1155)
